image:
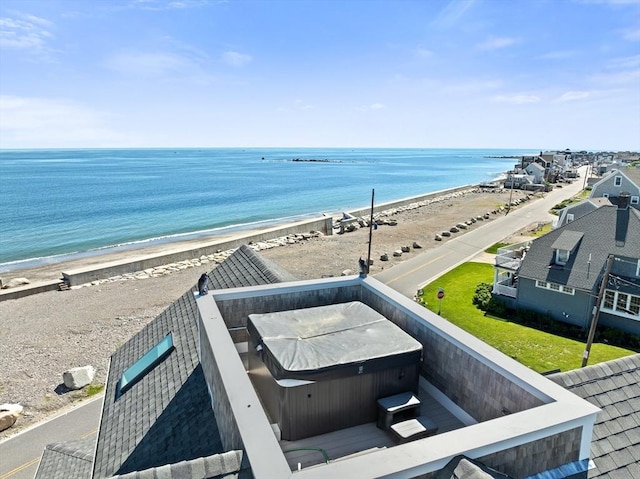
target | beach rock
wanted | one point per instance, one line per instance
(446, 234)
(405, 249)
(12, 283)
(392, 223)
(346, 272)
(9, 415)
(453, 229)
(397, 253)
(461, 226)
(417, 245)
(438, 237)
(77, 378)
(384, 257)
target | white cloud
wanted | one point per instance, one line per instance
(573, 95)
(497, 43)
(557, 55)
(25, 32)
(31, 122)
(236, 59)
(517, 99)
(423, 53)
(452, 13)
(168, 5)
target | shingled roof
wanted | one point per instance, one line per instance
(607, 230)
(613, 387)
(165, 419)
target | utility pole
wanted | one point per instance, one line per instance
(370, 232)
(596, 314)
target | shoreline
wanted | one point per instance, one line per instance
(47, 275)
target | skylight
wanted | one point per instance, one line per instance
(146, 363)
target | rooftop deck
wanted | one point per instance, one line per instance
(358, 440)
(362, 439)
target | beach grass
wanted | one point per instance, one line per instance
(539, 350)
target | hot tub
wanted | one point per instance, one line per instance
(322, 369)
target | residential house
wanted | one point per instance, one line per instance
(560, 273)
(536, 171)
(624, 180)
(193, 394)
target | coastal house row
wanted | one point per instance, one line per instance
(209, 389)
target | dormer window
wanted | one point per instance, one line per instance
(562, 256)
(618, 181)
(566, 243)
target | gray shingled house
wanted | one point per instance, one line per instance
(616, 182)
(183, 400)
(560, 273)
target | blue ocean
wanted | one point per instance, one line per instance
(57, 204)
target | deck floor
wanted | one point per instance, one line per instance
(363, 439)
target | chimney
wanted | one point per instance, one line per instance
(623, 200)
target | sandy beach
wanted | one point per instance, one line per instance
(48, 333)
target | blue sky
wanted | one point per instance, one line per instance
(540, 74)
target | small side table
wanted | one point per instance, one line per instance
(391, 408)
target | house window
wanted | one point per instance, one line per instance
(146, 363)
(635, 200)
(622, 303)
(562, 256)
(555, 287)
(605, 195)
(618, 181)
(609, 297)
(569, 217)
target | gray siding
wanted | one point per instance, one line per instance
(607, 186)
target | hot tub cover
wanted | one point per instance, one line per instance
(331, 341)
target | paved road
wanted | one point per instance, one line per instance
(20, 455)
(407, 277)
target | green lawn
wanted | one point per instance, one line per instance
(538, 350)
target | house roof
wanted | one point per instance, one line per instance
(165, 420)
(67, 460)
(171, 405)
(607, 230)
(536, 166)
(582, 208)
(613, 387)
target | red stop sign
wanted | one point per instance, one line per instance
(441, 294)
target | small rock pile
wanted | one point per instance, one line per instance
(213, 259)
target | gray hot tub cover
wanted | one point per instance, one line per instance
(332, 341)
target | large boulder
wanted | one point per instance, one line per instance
(9, 415)
(12, 283)
(77, 378)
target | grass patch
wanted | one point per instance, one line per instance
(493, 249)
(93, 389)
(538, 350)
(541, 230)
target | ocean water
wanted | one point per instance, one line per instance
(57, 204)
